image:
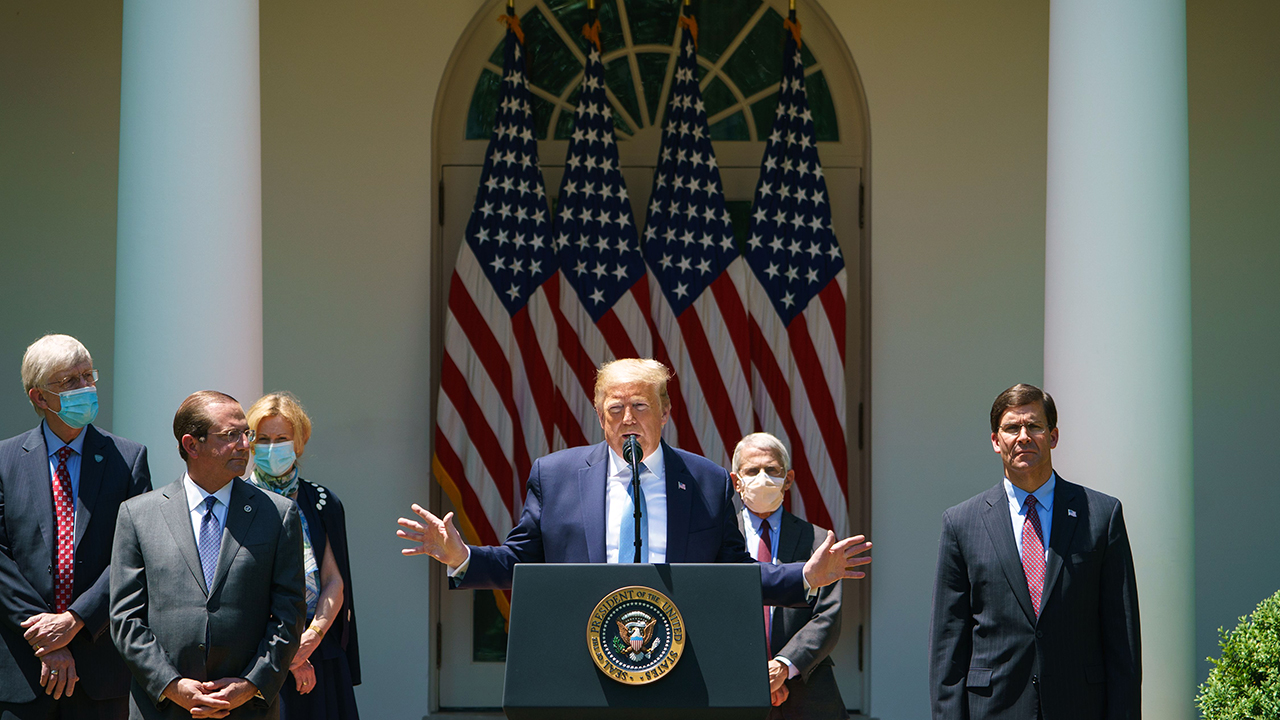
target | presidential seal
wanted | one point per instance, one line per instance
(635, 635)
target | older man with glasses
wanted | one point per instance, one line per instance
(61, 486)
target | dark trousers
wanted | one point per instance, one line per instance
(79, 706)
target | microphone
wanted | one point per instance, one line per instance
(631, 449)
(632, 453)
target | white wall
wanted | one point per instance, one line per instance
(957, 95)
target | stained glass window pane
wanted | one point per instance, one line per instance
(621, 124)
(653, 71)
(757, 63)
(763, 112)
(542, 111)
(484, 106)
(717, 97)
(733, 127)
(617, 75)
(825, 126)
(719, 22)
(552, 65)
(564, 124)
(496, 58)
(653, 22)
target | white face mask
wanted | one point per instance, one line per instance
(762, 494)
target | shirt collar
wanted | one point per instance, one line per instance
(197, 494)
(53, 443)
(1044, 494)
(621, 468)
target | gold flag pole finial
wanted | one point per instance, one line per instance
(591, 4)
(511, 7)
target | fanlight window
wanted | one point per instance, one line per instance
(739, 54)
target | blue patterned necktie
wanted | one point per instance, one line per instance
(210, 542)
(627, 532)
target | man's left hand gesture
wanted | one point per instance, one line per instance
(47, 632)
(835, 561)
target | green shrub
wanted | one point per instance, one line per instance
(1245, 683)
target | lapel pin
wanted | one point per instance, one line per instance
(1071, 513)
(247, 508)
(98, 458)
(680, 485)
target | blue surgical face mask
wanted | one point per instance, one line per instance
(79, 406)
(274, 459)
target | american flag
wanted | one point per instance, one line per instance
(605, 298)
(796, 294)
(698, 276)
(499, 406)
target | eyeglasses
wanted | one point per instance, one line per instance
(71, 382)
(1033, 429)
(233, 437)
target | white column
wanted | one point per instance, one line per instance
(1117, 300)
(189, 235)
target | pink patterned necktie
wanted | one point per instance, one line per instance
(765, 555)
(1033, 553)
(65, 513)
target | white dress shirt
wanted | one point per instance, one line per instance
(195, 504)
(1044, 506)
(653, 483)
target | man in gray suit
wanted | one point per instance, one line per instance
(802, 681)
(61, 485)
(1026, 629)
(206, 579)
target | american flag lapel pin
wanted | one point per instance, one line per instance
(1071, 513)
(680, 485)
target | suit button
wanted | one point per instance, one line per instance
(1039, 634)
(1035, 679)
(201, 646)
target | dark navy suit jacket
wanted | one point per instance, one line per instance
(564, 516)
(991, 658)
(112, 469)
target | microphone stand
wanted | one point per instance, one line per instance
(631, 453)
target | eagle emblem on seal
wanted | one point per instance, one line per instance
(636, 630)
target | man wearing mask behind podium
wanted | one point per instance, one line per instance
(579, 506)
(802, 682)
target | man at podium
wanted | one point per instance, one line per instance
(579, 507)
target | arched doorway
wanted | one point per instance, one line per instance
(740, 55)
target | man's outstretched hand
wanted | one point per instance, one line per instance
(835, 561)
(435, 536)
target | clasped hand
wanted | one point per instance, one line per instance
(212, 699)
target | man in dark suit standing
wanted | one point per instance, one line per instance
(1024, 630)
(207, 601)
(61, 486)
(802, 682)
(579, 506)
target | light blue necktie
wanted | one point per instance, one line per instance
(210, 542)
(627, 533)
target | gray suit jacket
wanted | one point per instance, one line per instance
(168, 625)
(807, 635)
(112, 469)
(991, 657)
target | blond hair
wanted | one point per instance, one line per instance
(286, 406)
(49, 355)
(625, 371)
